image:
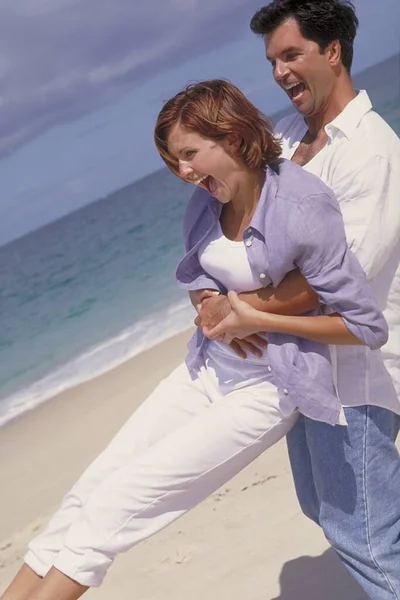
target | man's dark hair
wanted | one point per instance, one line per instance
(321, 21)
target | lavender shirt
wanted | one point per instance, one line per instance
(297, 224)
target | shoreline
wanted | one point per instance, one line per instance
(103, 400)
(25, 399)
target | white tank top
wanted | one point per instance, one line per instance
(227, 261)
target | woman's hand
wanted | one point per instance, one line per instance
(242, 322)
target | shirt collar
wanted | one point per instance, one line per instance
(348, 120)
(268, 191)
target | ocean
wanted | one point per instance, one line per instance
(97, 287)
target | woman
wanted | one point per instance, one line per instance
(253, 219)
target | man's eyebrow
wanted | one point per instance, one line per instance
(284, 51)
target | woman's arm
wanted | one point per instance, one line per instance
(326, 329)
(317, 239)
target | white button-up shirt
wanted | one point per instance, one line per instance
(361, 163)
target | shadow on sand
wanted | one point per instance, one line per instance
(318, 578)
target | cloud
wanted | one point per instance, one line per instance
(60, 59)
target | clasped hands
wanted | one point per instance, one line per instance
(230, 320)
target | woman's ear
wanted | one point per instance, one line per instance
(232, 143)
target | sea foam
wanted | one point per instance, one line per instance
(146, 333)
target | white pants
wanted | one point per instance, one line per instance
(184, 442)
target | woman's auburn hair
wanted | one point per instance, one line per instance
(214, 109)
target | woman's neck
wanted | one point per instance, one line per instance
(246, 200)
(237, 214)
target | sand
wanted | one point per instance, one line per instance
(248, 541)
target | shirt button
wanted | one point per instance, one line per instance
(249, 243)
(285, 391)
(269, 368)
(262, 275)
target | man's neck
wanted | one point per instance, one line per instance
(342, 94)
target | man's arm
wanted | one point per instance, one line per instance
(318, 246)
(293, 296)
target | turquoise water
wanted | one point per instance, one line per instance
(97, 287)
(90, 290)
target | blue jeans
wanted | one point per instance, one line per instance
(348, 481)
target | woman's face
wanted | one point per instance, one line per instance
(208, 163)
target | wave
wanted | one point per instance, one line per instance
(99, 359)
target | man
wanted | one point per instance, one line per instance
(347, 479)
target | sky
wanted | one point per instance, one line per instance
(82, 82)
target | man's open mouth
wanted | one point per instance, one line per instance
(295, 90)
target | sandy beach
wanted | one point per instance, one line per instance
(248, 541)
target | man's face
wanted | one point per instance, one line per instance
(299, 68)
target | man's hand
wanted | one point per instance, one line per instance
(197, 297)
(215, 309)
(254, 344)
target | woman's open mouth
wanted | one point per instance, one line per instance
(208, 183)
